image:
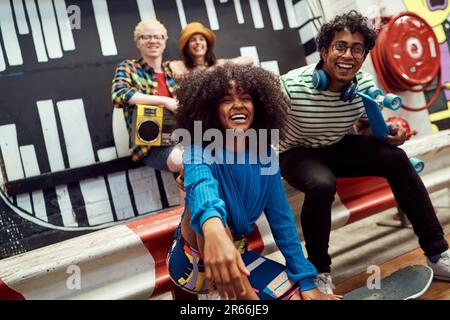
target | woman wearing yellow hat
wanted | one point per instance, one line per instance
(196, 46)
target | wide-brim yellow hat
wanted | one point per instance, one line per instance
(192, 28)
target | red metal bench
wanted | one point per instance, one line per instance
(128, 261)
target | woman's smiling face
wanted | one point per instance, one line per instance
(236, 110)
(197, 45)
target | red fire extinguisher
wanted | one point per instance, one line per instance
(407, 56)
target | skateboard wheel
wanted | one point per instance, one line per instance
(418, 164)
(392, 101)
(374, 92)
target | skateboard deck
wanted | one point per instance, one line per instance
(405, 284)
(380, 129)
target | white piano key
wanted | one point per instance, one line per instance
(290, 11)
(13, 164)
(50, 28)
(313, 58)
(2, 59)
(146, 9)
(65, 28)
(29, 161)
(181, 13)
(317, 14)
(271, 66)
(171, 188)
(65, 206)
(107, 154)
(55, 157)
(145, 189)
(80, 153)
(275, 16)
(36, 31)
(302, 12)
(256, 14)
(9, 35)
(251, 52)
(76, 133)
(223, 1)
(212, 14)
(307, 32)
(40, 211)
(50, 132)
(24, 202)
(118, 187)
(96, 201)
(104, 27)
(238, 10)
(10, 152)
(31, 168)
(120, 133)
(316, 8)
(21, 20)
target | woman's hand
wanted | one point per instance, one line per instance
(223, 263)
(316, 294)
(180, 180)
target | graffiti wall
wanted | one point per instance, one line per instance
(57, 60)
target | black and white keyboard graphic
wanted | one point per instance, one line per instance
(57, 60)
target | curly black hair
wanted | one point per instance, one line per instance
(352, 20)
(200, 93)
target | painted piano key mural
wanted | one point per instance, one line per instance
(57, 60)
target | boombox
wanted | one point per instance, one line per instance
(152, 126)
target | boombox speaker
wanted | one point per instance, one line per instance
(152, 126)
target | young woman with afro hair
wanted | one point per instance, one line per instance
(225, 197)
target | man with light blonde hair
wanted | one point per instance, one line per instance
(150, 82)
(138, 30)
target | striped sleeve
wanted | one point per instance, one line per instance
(284, 88)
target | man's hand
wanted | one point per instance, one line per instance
(397, 136)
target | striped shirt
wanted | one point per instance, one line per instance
(318, 118)
(136, 76)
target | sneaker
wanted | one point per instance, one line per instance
(324, 283)
(441, 268)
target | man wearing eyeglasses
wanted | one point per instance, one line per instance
(318, 146)
(150, 82)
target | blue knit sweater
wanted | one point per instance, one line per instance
(237, 193)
